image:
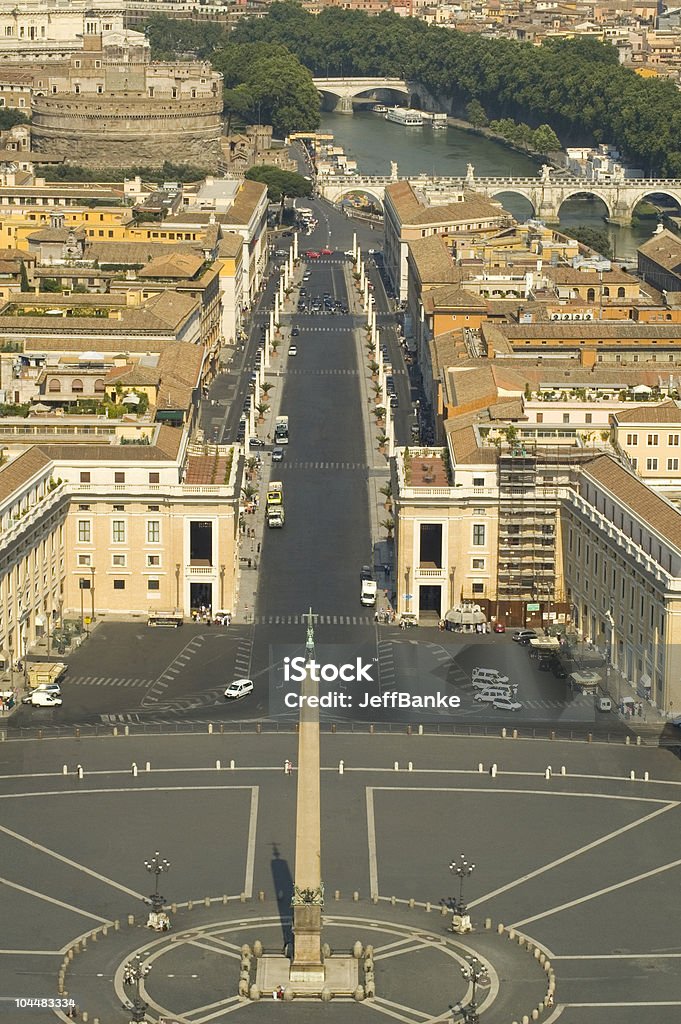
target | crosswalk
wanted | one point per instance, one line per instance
(323, 372)
(320, 620)
(327, 465)
(386, 663)
(242, 659)
(108, 681)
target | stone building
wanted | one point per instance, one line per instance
(108, 104)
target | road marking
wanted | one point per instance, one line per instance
(250, 847)
(615, 956)
(67, 860)
(31, 952)
(371, 835)
(50, 899)
(573, 854)
(599, 892)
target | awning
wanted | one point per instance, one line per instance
(466, 615)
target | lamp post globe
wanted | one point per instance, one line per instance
(156, 867)
(462, 869)
(474, 972)
(133, 973)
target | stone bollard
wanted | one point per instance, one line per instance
(428, 907)
(357, 950)
(326, 994)
(358, 994)
(206, 901)
(254, 993)
(627, 740)
(589, 737)
(261, 895)
(411, 904)
(535, 1014)
(503, 733)
(493, 771)
(131, 920)
(547, 773)
(488, 923)
(393, 901)
(341, 767)
(173, 908)
(190, 904)
(355, 896)
(410, 766)
(396, 766)
(443, 910)
(242, 897)
(563, 770)
(232, 764)
(511, 933)
(537, 953)
(481, 766)
(333, 728)
(210, 728)
(134, 770)
(632, 776)
(147, 766)
(514, 734)
(408, 730)
(257, 948)
(117, 926)
(105, 930)
(258, 728)
(114, 731)
(65, 769)
(79, 771)
(646, 777)
(337, 895)
(500, 929)
(420, 730)
(218, 765)
(638, 741)
(126, 730)
(552, 734)
(372, 730)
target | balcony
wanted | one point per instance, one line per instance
(17, 527)
(200, 570)
(431, 574)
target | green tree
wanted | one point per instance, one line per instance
(595, 238)
(281, 185)
(23, 277)
(8, 118)
(545, 140)
(475, 113)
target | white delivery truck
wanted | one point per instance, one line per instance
(368, 593)
(275, 517)
(281, 430)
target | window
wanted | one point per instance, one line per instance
(632, 439)
(566, 417)
(153, 531)
(83, 508)
(119, 478)
(84, 531)
(119, 584)
(540, 417)
(153, 560)
(674, 440)
(673, 464)
(588, 418)
(77, 386)
(479, 535)
(119, 508)
(84, 559)
(154, 478)
(153, 584)
(634, 463)
(118, 560)
(118, 531)
(653, 439)
(478, 481)
(651, 464)
(153, 508)
(478, 563)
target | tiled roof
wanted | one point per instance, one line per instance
(453, 297)
(645, 504)
(245, 202)
(665, 249)
(667, 412)
(20, 470)
(623, 329)
(104, 452)
(175, 265)
(465, 448)
(133, 376)
(168, 440)
(573, 275)
(56, 234)
(231, 245)
(433, 260)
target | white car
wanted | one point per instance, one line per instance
(349, 252)
(293, 350)
(43, 699)
(239, 688)
(506, 704)
(277, 454)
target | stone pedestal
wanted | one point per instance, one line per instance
(308, 963)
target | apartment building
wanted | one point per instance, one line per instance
(649, 436)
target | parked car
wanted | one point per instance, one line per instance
(506, 704)
(277, 454)
(365, 573)
(310, 255)
(43, 699)
(499, 627)
(293, 350)
(295, 331)
(239, 688)
(326, 252)
(255, 442)
(523, 636)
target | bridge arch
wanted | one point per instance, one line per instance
(672, 194)
(345, 192)
(513, 190)
(585, 191)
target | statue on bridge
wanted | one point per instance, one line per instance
(393, 170)
(470, 175)
(545, 176)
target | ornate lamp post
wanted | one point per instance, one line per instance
(133, 973)
(156, 866)
(473, 973)
(461, 921)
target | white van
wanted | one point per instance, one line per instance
(43, 699)
(492, 693)
(487, 677)
(368, 593)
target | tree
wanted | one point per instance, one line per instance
(475, 113)
(281, 185)
(545, 140)
(23, 277)
(595, 238)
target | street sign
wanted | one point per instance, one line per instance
(532, 607)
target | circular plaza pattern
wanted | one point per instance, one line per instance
(580, 864)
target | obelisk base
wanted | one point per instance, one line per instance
(307, 965)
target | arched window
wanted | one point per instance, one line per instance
(54, 385)
(606, 290)
(590, 295)
(100, 386)
(77, 385)
(620, 293)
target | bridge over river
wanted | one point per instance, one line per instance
(546, 192)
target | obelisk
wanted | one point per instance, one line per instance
(307, 964)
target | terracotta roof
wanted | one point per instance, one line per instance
(667, 412)
(573, 275)
(231, 245)
(428, 471)
(248, 197)
(104, 452)
(464, 446)
(432, 260)
(471, 385)
(451, 296)
(169, 440)
(171, 308)
(112, 345)
(136, 254)
(133, 376)
(665, 249)
(175, 265)
(20, 470)
(644, 503)
(623, 329)
(56, 234)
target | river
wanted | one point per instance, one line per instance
(373, 142)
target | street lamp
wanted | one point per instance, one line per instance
(461, 920)
(133, 973)
(156, 866)
(473, 973)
